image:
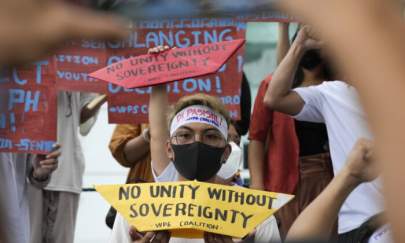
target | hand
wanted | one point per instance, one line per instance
(158, 49)
(216, 238)
(44, 165)
(256, 186)
(154, 237)
(360, 162)
(29, 29)
(307, 40)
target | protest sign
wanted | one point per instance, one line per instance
(28, 109)
(74, 62)
(189, 208)
(175, 64)
(131, 105)
(71, 65)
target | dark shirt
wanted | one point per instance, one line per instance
(312, 137)
(242, 126)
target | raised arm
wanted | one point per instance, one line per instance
(259, 128)
(256, 164)
(159, 132)
(323, 211)
(279, 95)
(371, 53)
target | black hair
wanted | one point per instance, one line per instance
(309, 61)
(242, 125)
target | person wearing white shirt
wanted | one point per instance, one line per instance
(17, 171)
(193, 146)
(336, 104)
(53, 209)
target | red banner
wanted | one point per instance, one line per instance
(73, 64)
(28, 99)
(70, 67)
(131, 105)
(175, 64)
(28, 113)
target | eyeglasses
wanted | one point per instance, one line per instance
(209, 137)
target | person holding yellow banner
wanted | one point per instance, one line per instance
(193, 146)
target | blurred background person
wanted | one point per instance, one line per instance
(17, 172)
(372, 47)
(30, 30)
(53, 210)
(130, 146)
(287, 155)
(336, 104)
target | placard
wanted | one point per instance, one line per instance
(131, 105)
(189, 208)
(28, 109)
(74, 62)
(174, 64)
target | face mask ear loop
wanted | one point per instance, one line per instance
(227, 144)
(223, 161)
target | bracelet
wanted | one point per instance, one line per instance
(146, 135)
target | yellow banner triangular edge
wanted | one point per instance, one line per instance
(192, 228)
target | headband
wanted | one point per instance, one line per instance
(200, 114)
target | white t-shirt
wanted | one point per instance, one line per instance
(14, 178)
(336, 104)
(382, 235)
(69, 175)
(265, 232)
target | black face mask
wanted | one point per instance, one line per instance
(197, 161)
(311, 59)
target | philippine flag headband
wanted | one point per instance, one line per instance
(200, 114)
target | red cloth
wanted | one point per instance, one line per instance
(277, 132)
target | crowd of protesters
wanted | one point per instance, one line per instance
(326, 126)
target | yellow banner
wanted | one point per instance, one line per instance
(191, 207)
